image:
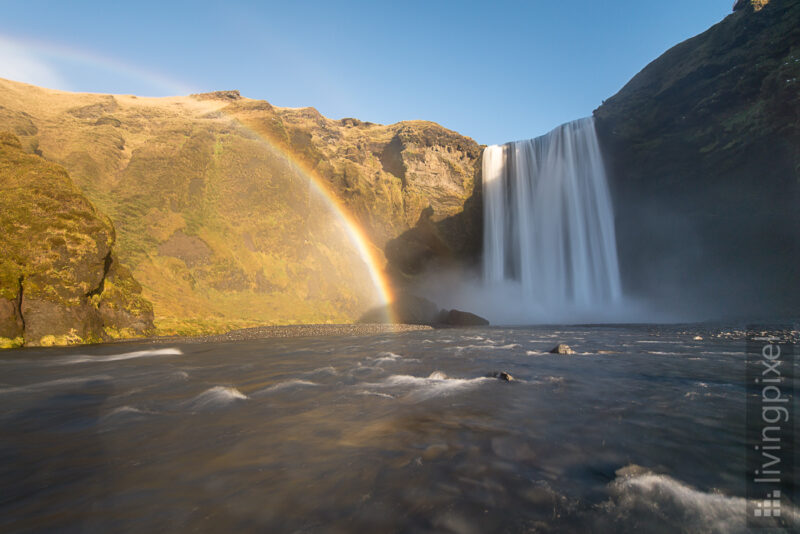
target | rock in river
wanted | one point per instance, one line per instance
(562, 348)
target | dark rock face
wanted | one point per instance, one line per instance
(59, 280)
(703, 153)
(419, 248)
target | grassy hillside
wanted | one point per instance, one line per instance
(221, 230)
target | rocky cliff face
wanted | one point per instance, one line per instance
(414, 185)
(60, 281)
(216, 218)
(703, 149)
(211, 201)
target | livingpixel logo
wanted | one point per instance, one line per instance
(769, 425)
(770, 506)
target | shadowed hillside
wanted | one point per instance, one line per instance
(703, 148)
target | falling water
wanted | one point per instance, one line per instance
(549, 223)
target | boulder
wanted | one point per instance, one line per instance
(462, 318)
(411, 309)
(562, 348)
(500, 375)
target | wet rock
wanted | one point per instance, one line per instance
(562, 348)
(462, 318)
(500, 375)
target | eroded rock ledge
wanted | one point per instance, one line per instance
(60, 281)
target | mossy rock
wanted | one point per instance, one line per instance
(57, 257)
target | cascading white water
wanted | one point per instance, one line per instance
(548, 219)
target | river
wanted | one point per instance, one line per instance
(642, 428)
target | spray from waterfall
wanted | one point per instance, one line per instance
(549, 243)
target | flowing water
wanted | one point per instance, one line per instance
(641, 429)
(548, 219)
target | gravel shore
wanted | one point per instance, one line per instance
(300, 330)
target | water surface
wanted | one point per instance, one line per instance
(642, 428)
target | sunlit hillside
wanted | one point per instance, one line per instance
(219, 202)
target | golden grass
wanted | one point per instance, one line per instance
(202, 166)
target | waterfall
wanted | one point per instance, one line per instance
(548, 219)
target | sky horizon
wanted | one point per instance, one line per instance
(498, 73)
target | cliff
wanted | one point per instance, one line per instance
(227, 210)
(703, 150)
(60, 280)
(216, 216)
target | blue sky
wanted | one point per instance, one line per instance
(495, 71)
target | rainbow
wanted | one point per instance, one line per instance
(367, 251)
(46, 53)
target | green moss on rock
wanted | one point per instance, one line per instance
(57, 252)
